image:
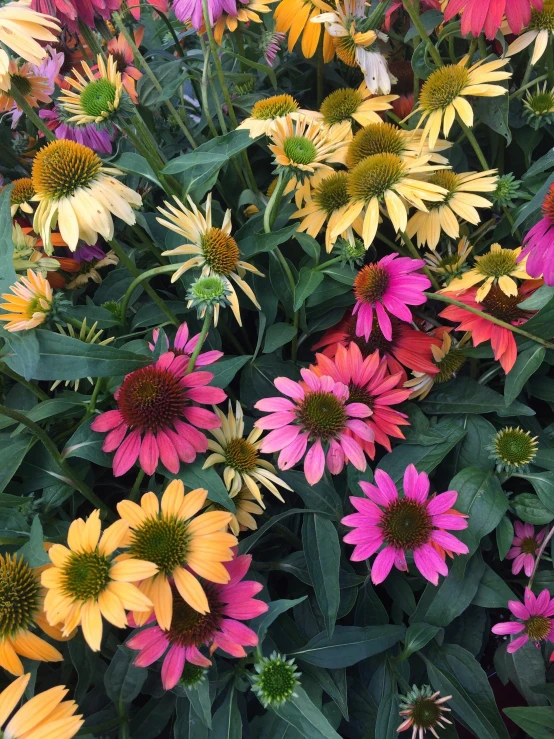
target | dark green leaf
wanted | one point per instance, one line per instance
(87, 444)
(277, 335)
(527, 363)
(536, 721)
(417, 636)
(187, 724)
(322, 550)
(224, 370)
(543, 482)
(349, 645)
(227, 721)
(504, 536)
(134, 163)
(302, 714)
(7, 272)
(308, 280)
(276, 608)
(464, 395)
(122, 680)
(320, 497)
(529, 508)
(33, 550)
(492, 591)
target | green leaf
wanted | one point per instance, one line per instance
(538, 299)
(193, 476)
(254, 65)
(281, 285)
(187, 723)
(472, 450)
(321, 497)
(492, 591)
(493, 112)
(464, 395)
(169, 76)
(527, 363)
(349, 645)
(310, 245)
(195, 167)
(199, 697)
(278, 335)
(504, 536)
(224, 370)
(276, 608)
(87, 444)
(541, 323)
(417, 636)
(322, 549)
(7, 271)
(531, 510)
(308, 281)
(249, 542)
(430, 20)
(13, 453)
(33, 550)
(23, 348)
(150, 721)
(531, 208)
(536, 721)
(134, 163)
(543, 482)
(259, 243)
(341, 273)
(227, 721)
(303, 715)
(122, 680)
(387, 717)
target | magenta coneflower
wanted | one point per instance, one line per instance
(487, 15)
(88, 134)
(388, 286)
(183, 346)
(191, 10)
(524, 547)
(155, 406)
(190, 630)
(369, 382)
(539, 243)
(534, 619)
(319, 414)
(411, 523)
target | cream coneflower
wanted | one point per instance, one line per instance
(294, 17)
(247, 12)
(213, 250)
(444, 94)
(422, 711)
(45, 716)
(350, 104)
(241, 457)
(539, 31)
(30, 304)
(449, 359)
(265, 112)
(451, 263)
(87, 582)
(32, 86)
(22, 28)
(22, 192)
(76, 191)
(498, 267)
(95, 97)
(4, 70)
(460, 204)
(181, 544)
(385, 182)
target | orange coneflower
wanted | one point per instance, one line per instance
(295, 18)
(119, 48)
(30, 303)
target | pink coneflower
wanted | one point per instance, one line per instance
(70, 12)
(524, 547)
(191, 10)
(155, 406)
(270, 44)
(487, 15)
(411, 523)
(190, 630)
(388, 286)
(534, 619)
(184, 347)
(120, 49)
(369, 382)
(539, 243)
(88, 134)
(318, 414)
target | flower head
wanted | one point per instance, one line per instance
(270, 44)
(534, 620)
(422, 711)
(319, 414)
(95, 97)
(120, 50)
(513, 449)
(498, 267)
(448, 358)
(21, 29)
(538, 33)
(266, 111)
(221, 627)
(30, 305)
(539, 242)
(177, 541)
(538, 106)
(89, 269)
(183, 346)
(524, 547)
(87, 581)
(208, 294)
(88, 134)
(192, 10)
(487, 15)
(245, 12)
(294, 17)
(22, 192)
(351, 104)
(413, 523)
(155, 418)
(507, 190)
(451, 263)
(73, 12)
(276, 679)
(34, 87)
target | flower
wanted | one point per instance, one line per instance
(369, 382)
(221, 627)
(507, 190)
(246, 508)
(122, 54)
(423, 710)
(444, 92)
(524, 547)
(389, 285)
(22, 192)
(22, 28)
(538, 106)
(76, 190)
(177, 541)
(267, 111)
(411, 523)
(88, 336)
(496, 304)
(155, 419)
(246, 12)
(451, 263)
(534, 620)
(87, 582)
(513, 449)
(243, 466)
(538, 244)
(276, 679)
(350, 104)
(319, 414)
(134, 7)
(213, 249)
(270, 44)
(182, 346)
(89, 270)
(448, 358)
(34, 88)
(192, 10)
(208, 293)
(96, 96)
(460, 203)
(71, 12)
(540, 28)
(89, 135)
(46, 714)
(30, 304)
(487, 15)
(294, 17)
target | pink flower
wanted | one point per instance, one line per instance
(539, 243)
(534, 619)
(318, 414)
(524, 547)
(487, 15)
(155, 404)
(70, 12)
(370, 382)
(412, 522)
(190, 630)
(184, 347)
(192, 10)
(388, 286)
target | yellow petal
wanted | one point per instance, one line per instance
(162, 598)
(131, 570)
(31, 646)
(191, 591)
(9, 659)
(172, 499)
(9, 698)
(34, 711)
(150, 504)
(209, 523)
(132, 512)
(112, 609)
(91, 623)
(113, 536)
(192, 503)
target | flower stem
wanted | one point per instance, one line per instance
(414, 17)
(320, 65)
(136, 486)
(539, 554)
(5, 370)
(327, 264)
(473, 141)
(527, 85)
(413, 250)
(23, 105)
(272, 208)
(168, 23)
(201, 339)
(141, 277)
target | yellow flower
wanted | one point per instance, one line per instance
(294, 17)
(213, 250)
(247, 11)
(77, 191)
(46, 716)
(34, 88)
(177, 541)
(22, 192)
(21, 28)
(88, 582)
(498, 267)
(97, 95)
(448, 358)
(30, 303)
(241, 457)
(265, 112)
(350, 104)
(459, 204)
(444, 93)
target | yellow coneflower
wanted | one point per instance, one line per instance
(87, 582)
(451, 263)
(498, 267)
(177, 541)
(539, 31)
(294, 17)
(444, 93)
(265, 112)
(213, 250)
(247, 11)
(97, 96)
(45, 716)
(76, 191)
(22, 28)
(241, 457)
(460, 204)
(23, 191)
(32, 86)
(449, 359)
(350, 104)
(30, 303)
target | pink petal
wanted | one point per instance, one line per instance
(246, 610)
(335, 458)
(289, 387)
(195, 657)
(293, 453)
(184, 448)
(239, 632)
(508, 627)
(208, 358)
(449, 521)
(196, 378)
(145, 638)
(168, 453)
(172, 667)
(107, 421)
(416, 486)
(314, 463)
(202, 418)
(240, 591)
(429, 563)
(114, 438)
(517, 644)
(275, 404)
(127, 454)
(149, 453)
(237, 568)
(357, 410)
(192, 435)
(361, 429)
(442, 503)
(364, 551)
(205, 395)
(276, 420)
(228, 645)
(367, 508)
(279, 439)
(316, 383)
(148, 655)
(449, 542)
(353, 451)
(386, 485)
(382, 565)
(519, 610)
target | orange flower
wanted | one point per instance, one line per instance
(119, 48)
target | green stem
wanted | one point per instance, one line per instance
(416, 255)
(201, 339)
(178, 47)
(414, 17)
(204, 87)
(482, 46)
(550, 62)
(539, 554)
(91, 407)
(323, 266)
(141, 277)
(272, 208)
(90, 40)
(471, 52)
(136, 487)
(5, 370)
(23, 105)
(473, 141)
(526, 86)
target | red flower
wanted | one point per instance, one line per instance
(487, 15)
